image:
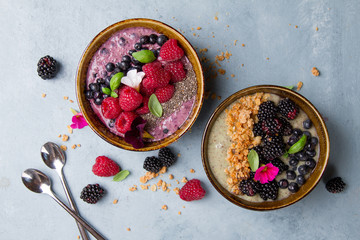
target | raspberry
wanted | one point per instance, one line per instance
(165, 94)
(123, 122)
(155, 76)
(129, 99)
(177, 71)
(170, 51)
(144, 107)
(192, 190)
(105, 167)
(110, 108)
(146, 91)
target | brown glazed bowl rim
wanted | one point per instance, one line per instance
(99, 128)
(315, 176)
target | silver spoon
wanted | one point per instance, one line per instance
(38, 182)
(54, 158)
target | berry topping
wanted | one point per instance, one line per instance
(147, 92)
(257, 130)
(144, 39)
(307, 124)
(167, 157)
(269, 190)
(192, 190)
(300, 180)
(129, 99)
(105, 167)
(280, 165)
(170, 51)
(177, 71)
(335, 185)
(123, 122)
(266, 110)
(110, 108)
(144, 107)
(291, 175)
(92, 193)
(155, 76)
(46, 67)
(248, 187)
(164, 94)
(110, 67)
(293, 187)
(152, 164)
(283, 183)
(272, 126)
(153, 38)
(288, 109)
(161, 40)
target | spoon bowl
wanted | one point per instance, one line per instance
(36, 181)
(52, 155)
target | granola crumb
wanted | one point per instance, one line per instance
(159, 183)
(153, 188)
(144, 187)
(79, 145)
(235, 42)
(213, 96)
(232, 75)
(179, 213)
(221, 71)
(316, 29)
(198, 28)
(143, 179)
(66, 98)
(179, 155)
(133, 188)
(70, 130)
(267, 58)
(171, 176)
(59, 136)
(78, 237)
(71, 101)
(296, 26)
(177, 181)
(176, 190)
(115, 201)
(184, 180)
(43, 95)
(63, 147)
(164, 207)
(65, 138)
(315, 71)
(243, 45)
(192, 29)
(299, 85)
(194, 34)
(128, 229)
(192, 170)
(73, 146)
(242, 65)
(202, 50)
(163, 170)
(216, 18)
(183, 206)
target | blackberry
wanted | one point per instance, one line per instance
(335, 185)
(288, 109)
(248, 187)
(267, 110)
(280, 165)
(47, 67)
(286, 127)
(269, 190)
(167, 157)
(272, 126)
(258, 149)
(273, 147)
(92, 193)
(257, 130)
(152, 164)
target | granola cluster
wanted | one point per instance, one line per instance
(240, 120)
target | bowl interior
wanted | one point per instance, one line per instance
(85, 107)
(315, 176)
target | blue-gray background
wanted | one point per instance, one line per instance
(32, 29)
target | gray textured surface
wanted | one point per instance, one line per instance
(31, 29)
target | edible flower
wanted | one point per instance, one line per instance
(133, 79)
(137, 133)
(266, 173)
(78, 120)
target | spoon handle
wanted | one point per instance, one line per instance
(82, 231)
(77, 218)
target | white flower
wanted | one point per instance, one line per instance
(133, 79)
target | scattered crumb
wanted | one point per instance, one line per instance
(267, 58)
(213, 96)
(160, 182)
(218, 97)
(179, 213)
(128, 229)
(235, 42)
(171, 176)
(296, 26)
(78, 237)
(198, 28)
(232, 75)
(115, 201)
(79, 145)
(221, 71)
(133, 188)
(144, 187)
(192, 29)
(315, 71)
(59, 136)
(164, 207)
(65, 138)
(176, 190)
(194, 34)
(192, 170)
(177, 181)
(153, 188)
(184, 180)
(43, 95)
(289, 24)
(183, 206)
(242, 65)
(179, 155)
(71, 101)
(73, 146)
(70, 130)
(207, 94)
(66, 98)
(243, 45)
(299, 85)
(202, 50)
(316, 29)
(63, 147)
(216, 18)
(163, 170)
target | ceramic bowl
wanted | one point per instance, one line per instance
(95, 123)
(324, 148)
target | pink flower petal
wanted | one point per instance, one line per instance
(78, 121)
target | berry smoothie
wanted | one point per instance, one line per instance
(121, 44)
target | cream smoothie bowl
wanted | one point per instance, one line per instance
(261, 149)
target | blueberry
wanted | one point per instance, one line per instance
(303, 169)
(116, 70)
(100, 80)
(301, 156)
(165, 130)
(104, 73)
(307, 124)
(98, 101)
(124, 65)
(309, 146)
(155, 52)
(103, 85)
(307, 134)
(292, 140)
(153, 38)
(145, 39)
(94, 87)
(104, 51)
(291, 175)
(158, 51)
(300, 179)
(89, 94)
(97, 95)
(131, 52)
(134, 61)
(161, 40)
(110, 67)
(122, 42)
(126, 58)
(310, 163)
(111, 123)
(137, 46)
(297, 132)
(94, 75)
(293, 187)
(107, 81)
(283, 183)
(311, 153)
(314, 141)
(293, 161)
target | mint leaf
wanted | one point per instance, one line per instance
(155, 106)
(116, 81)
(289, 87)
(144, 56)
(298, 146)
(105, 90)
(253, 159)
(121, 175)
(114, 94)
